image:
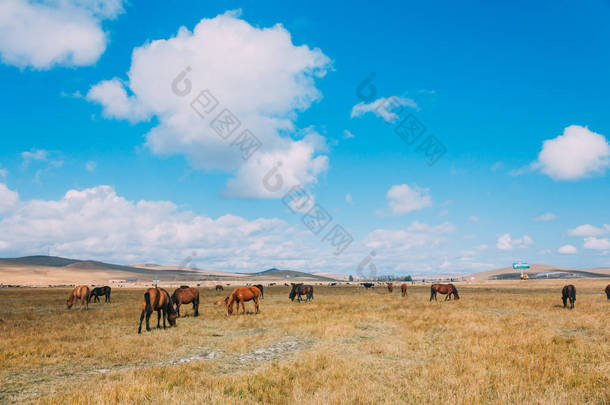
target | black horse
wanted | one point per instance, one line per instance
(568, 292)
(368, 285)
(300, 289)
(97, 292)
(260, 287)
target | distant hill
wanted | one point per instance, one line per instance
(52, 270)
(289, 275)
(540, 271)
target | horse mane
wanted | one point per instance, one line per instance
(171, 308)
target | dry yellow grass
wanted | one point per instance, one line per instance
(503, 342)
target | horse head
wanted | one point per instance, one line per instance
(293, 291)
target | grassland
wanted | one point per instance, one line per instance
(503, 342)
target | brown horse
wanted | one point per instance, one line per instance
(448, 289)
(390, 287)
(219, 287)
(186, 295)
(403, 289)
(82, 293)
(608, 291)
(568, 292)
(157, 299)
(242, 294)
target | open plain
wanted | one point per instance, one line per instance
(502, 342)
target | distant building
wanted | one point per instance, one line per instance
(117, 281)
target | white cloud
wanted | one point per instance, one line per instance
(117, 104)
(567, 250)
(403, 199)
(42, 34)
(474, 219)
(99, 224)
(8, 199)
(589, 230)
(576, 154)
(548, 216)
(348, 198)
(597, 243)
(505, 242)
(386, 108)
(415, 235)
(256, 73)
(347, 134)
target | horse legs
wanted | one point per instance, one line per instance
(164, 316)
(108, 297)
(141, 319)
(565, 301)
(196, 306)
(432, 295)
(147, 320)
(159, 319)
(243, 307)
(178, 308)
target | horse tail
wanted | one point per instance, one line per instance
(148, 307)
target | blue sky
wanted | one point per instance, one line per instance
(100, 159)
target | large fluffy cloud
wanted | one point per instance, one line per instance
(403, 199)
(258, 74)
(45, 33)
(97, 223)
(578, 153)
(589, 230)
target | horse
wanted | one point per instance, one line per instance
(368, 285)
(333, 284)
(186, 295)
(568, 292)
(300, 289)
(219, 287)
(242, 294)
(448, 289)
(157, 299)
(607, 290)
(390, 287)
(97, 292)
(403, 289)
(82, 292)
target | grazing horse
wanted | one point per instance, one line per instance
(568, 292)
(219, 287)
(157, 299)
(368, 285)
(82, 293)
(448, 289)
(390, 287)
(97, 292)
(186, 295)
(403, 289)
(300, 289)
(260, 287)
(607, 290)
(242, 294)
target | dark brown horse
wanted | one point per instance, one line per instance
(607, 290)
(300, 289)
(219, 287)
(260, 288)
(568, 293)
(368, 285)
(390, 287)
(82, 293)
(448, 289)
(403, 289)
(97, 292)
(157, 299)
(241, 295)
(186, 295)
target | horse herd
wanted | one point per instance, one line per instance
(168, 307)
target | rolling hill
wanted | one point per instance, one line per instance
(539, 271)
